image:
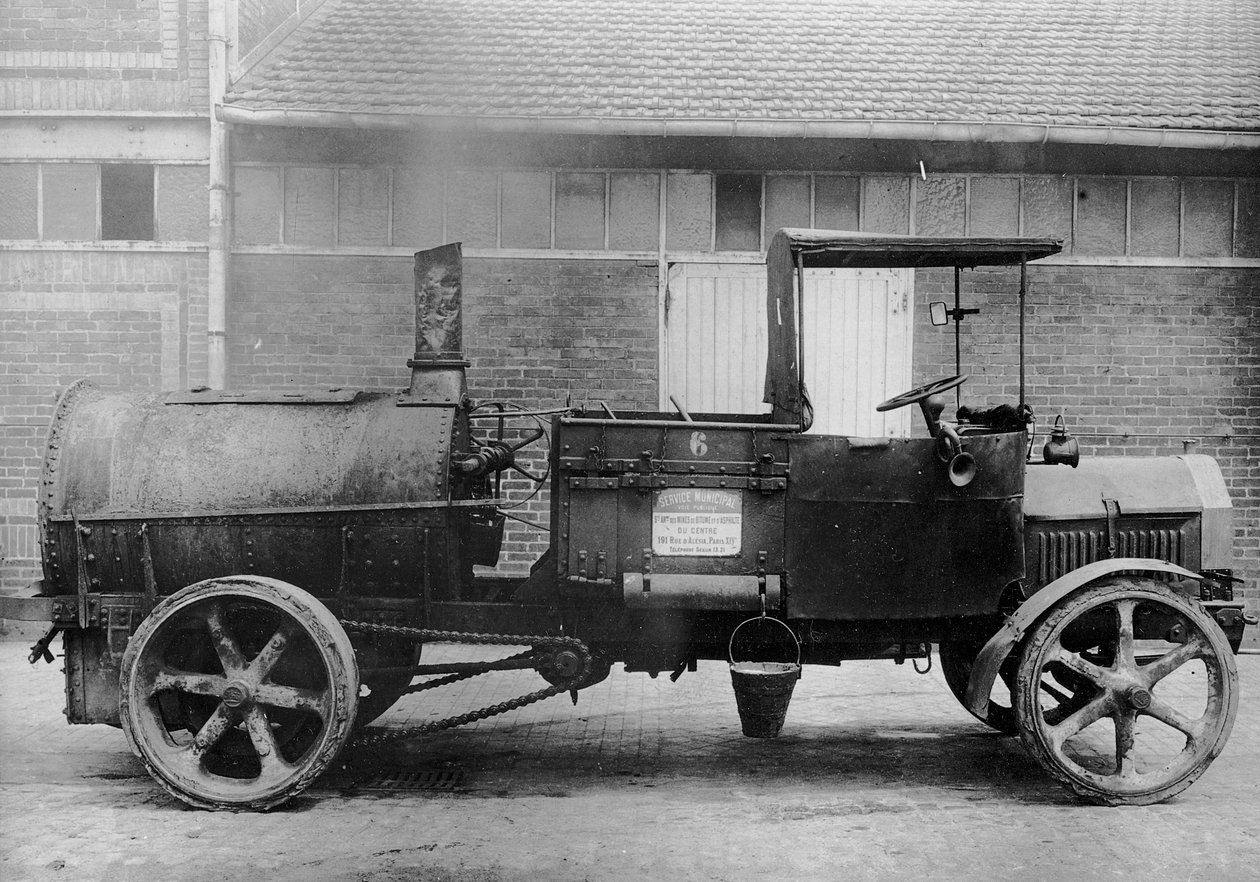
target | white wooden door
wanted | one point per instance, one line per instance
(857, 334)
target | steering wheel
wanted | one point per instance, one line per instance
(919, 393)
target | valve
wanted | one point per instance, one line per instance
(494, 456)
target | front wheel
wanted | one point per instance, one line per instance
(957, 661)
(1126, 692)
(236, 693)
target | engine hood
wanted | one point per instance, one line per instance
(1189, 484)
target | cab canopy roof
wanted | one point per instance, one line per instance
(831, 248)
(796, 249)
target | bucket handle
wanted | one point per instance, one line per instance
(730, 646)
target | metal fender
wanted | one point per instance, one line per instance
(985, 669)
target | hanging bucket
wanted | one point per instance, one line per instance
(763, 690)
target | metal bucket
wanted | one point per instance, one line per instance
(763, 690)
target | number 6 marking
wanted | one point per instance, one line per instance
(698, 447)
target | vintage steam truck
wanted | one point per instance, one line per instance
(244, 581)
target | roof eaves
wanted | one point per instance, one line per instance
(905, 130)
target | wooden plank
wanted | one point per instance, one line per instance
(857, 334)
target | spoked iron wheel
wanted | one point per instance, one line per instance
(1126, 692)
(957, 660)
(236, 693)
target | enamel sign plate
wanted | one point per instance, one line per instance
(695, 522)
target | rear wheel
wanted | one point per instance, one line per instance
(236, 693)
(1126, 692)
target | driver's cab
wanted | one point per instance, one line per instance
(897, 528)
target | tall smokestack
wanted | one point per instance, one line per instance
(437, 368)
(439, 306)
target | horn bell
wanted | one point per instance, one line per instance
(962, 469)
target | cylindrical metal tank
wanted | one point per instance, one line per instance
(341, 493)
(123, 453)
(332, 491)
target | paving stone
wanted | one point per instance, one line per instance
(878, 774)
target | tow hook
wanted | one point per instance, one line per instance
(40, 649)
(1232, 617)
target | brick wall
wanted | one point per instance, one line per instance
(535, 331)
(314, 322)
(58, 55)
(1117, 350)
(1159, 354)
(120, 319)
(540, 331)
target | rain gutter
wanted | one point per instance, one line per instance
(973, 132)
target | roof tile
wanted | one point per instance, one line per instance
(1158, 63)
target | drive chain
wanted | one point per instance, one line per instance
(425, 634)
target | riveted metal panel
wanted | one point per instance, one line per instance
(609, 477)
(879, 532)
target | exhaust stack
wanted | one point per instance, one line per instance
(437, 368)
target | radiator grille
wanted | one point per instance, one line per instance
(1061, 551)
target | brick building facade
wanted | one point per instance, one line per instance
(1144, 333)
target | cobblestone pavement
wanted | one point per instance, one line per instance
(879, 774)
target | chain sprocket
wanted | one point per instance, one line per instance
(543, 648)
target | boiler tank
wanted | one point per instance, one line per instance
(345, 494)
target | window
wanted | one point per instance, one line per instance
(69, 202)
(127, 202)
(580, 211)
(19, 201)
(738, 214)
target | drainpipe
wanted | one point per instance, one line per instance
(219, 216)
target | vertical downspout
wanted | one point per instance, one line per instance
(219, 237)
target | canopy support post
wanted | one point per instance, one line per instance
(800, 331)
(958, 320)
(1023, 294)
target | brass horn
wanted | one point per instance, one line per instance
(962, 469)
(962, 465)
